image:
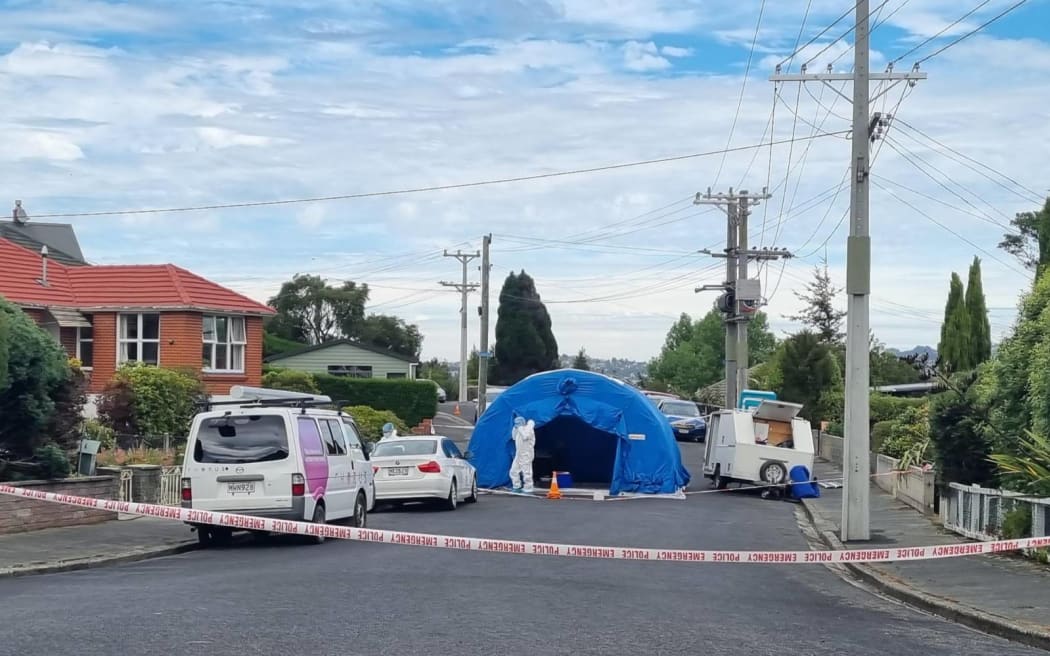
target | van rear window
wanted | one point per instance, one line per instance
(243, 439)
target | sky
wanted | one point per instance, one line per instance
(123, 106)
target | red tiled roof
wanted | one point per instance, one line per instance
(119, 286)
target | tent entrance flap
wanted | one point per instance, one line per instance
(570, 444)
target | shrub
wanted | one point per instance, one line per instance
(36, 370)
(371, 421)
(96, 430)
(292, 381)
(957, 420)
(66, 424)
(412, 400)
(150, 402)
(881, 433)
(1017, 523)
(889, 408)
(909, 436)
(53, 461)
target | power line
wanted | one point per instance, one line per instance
(971, 32)
(945, 29)
(1035, 196)
(820, 34)
(743, 89)
(938, 200)
(844, 34)
(417, 190)
(880, 23)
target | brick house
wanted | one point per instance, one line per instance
(158, 314)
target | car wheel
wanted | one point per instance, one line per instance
(360, 516)
(473, 498)
(319, 518)
(452, 501)
(773, 473)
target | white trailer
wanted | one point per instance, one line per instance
(759, 446)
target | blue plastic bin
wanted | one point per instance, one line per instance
(564, 480)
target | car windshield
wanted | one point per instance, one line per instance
(680, 409)
(405, 448)
(239, 440)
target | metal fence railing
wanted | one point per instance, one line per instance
(171, 486)
(977, 512)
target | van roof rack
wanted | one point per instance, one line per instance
(301, 403)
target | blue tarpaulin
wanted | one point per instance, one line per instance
(598, 428)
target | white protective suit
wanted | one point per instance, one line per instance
(524, 435)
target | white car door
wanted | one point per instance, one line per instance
(363, 475)
(459, 466)
(340, 470)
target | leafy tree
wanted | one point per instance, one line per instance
(1030, 244)
(525, 343)
(980, 330)
(66, 424)
(290, 380)
(888, 369)
(275, 345)
(145, 403)
(954, 347)
(810, 375)
(312, 311)
(37, 368)
(581, 362)
(1029, 470)
(820, 313)
(960, 445)
(693, 355)
(391, 333)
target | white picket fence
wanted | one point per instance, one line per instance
(171, 486)
(978, 512)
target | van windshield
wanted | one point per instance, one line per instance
(239, 440)
(405, 448)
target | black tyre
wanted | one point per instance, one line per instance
(473, 498)
(360, 517)
(452, 501)
(319, 518)
(718, 481)
(204, 537)
(773, 473)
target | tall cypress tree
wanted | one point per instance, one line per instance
(980, 329)
(953, 349)
(525, 343)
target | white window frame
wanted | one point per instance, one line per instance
(138, 341)
(79, 340)
(230, 343)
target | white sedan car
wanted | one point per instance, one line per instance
(412, 468)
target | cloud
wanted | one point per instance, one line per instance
(40, 145)
(675, 51)
(223, 138)
(42, 59)
(643, 57)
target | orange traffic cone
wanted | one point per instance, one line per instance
(456, 411)
(554, 492)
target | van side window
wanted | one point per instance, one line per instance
(309, 438)
(337, 435)
(335, 447)
(352, 438)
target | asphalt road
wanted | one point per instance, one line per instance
(282, 598)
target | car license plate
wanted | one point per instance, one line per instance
(241, 488)
(683, 431)
(397, 471)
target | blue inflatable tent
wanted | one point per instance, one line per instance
(597, 428)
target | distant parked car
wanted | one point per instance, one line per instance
(685, 419)
(441, 396)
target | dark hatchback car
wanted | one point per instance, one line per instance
(685, 419)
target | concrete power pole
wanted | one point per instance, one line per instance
(484, 356)
(741, 296)
(856, 511)
(464, 288)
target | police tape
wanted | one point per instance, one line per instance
(496, 545)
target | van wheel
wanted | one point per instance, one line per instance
(473, 498)
(204, 537)
(717, 481)
(452, 500)
(221, 537)
(360, 516)
(319, 518)
(772, 473)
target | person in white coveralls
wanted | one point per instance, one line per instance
(389, 431)
(524, 435)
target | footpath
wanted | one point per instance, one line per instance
(93, 545)
(1008, 596)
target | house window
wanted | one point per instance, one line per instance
(224, 339)
(350, 371)
(392, 374)
(86, 346)
(138, 338)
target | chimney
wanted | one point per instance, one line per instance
(43, 263)
(18, 214)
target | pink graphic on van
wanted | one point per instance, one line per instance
(314, 461)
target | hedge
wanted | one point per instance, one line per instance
(412, 400)
(371, 421)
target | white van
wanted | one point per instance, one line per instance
(278, 460)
